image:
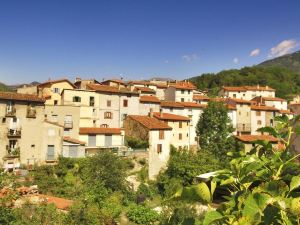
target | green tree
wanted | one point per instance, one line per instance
(215, 131)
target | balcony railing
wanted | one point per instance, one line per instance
(10, 111)
(12, 152)
(68, 124)
(31, 113)
(14, 133)
(243, 127)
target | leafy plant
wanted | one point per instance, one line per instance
(261, 189)
(142, 215)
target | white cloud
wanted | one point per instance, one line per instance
(283, 48)
(190, 58)
(236, 60)
(255, 52)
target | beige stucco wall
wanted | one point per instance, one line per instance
(145, 107)
(117, 140)
(158, 161)
(254, 121)
(55, 96)
(62, 111)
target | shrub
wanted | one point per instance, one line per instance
(142, 215)
(133, 142)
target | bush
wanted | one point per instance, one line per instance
(133, 142)
(142, 215)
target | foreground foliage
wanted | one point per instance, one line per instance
(263, 188)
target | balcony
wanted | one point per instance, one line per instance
(10, 111)
(14, 133)
(68, 124)
(31, 112)
(243, 127)
(12, 152)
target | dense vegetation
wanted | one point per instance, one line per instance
(289, 61)
(3, 87)
(282, 79)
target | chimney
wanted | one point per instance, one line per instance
(160, 113)
(151, 113)
(119, 87)
(267, 87)
(77, 79)
(257, 86)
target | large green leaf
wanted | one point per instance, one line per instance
(213, 186)
(203, 192)
(255, 204)
(295, 183)
(295, 206)
(212, 216)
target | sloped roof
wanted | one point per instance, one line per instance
(170, 104)
(263, 108)
(21, 97)
(74, 141)
(183, 85)
(110, 89)
(200, 97)
(99, 130)
(252, 138)
(169, 116)
(152, 99)
(50, 82)
(193, 105)
(150, 123)
(248, 88)
(144, 89)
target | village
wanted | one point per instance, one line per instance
(61, 118)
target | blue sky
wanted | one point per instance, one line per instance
(141, 39)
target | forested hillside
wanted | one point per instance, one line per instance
(3, 87)
(283, 80)
(289, 61)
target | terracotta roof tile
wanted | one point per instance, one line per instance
(109, 89)
(169, 116)
(150, 123)
(200, 97)
(152, 99)
(183, 85)
(282, 111)
(21, 97)
(193, 105)
(263, 108)
(248, 88)
(252, 138)
(142, 82)
(50, 82)
(74, 141)
(119, 81)
(144, 89)
(169, 104)
(99, 130)
(239, 101)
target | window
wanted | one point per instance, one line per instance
(187, 134)
(240, 113)
(180, 136)
(171, 109)
(73, 151)
(182, 99)
(50, 152)
(32, 146)
(108, 103)
(76, 99)
(234, 95)
(104, 125)
(92, 101)
(258, 113)
(55, 102)
(92, 140)
(159, 148)
(107, 115)
(189, 91)
(56, 90)
(180, 124)
(182, 91)
(3, 120)
(125, 103)
(161, 134)
(258, 122)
